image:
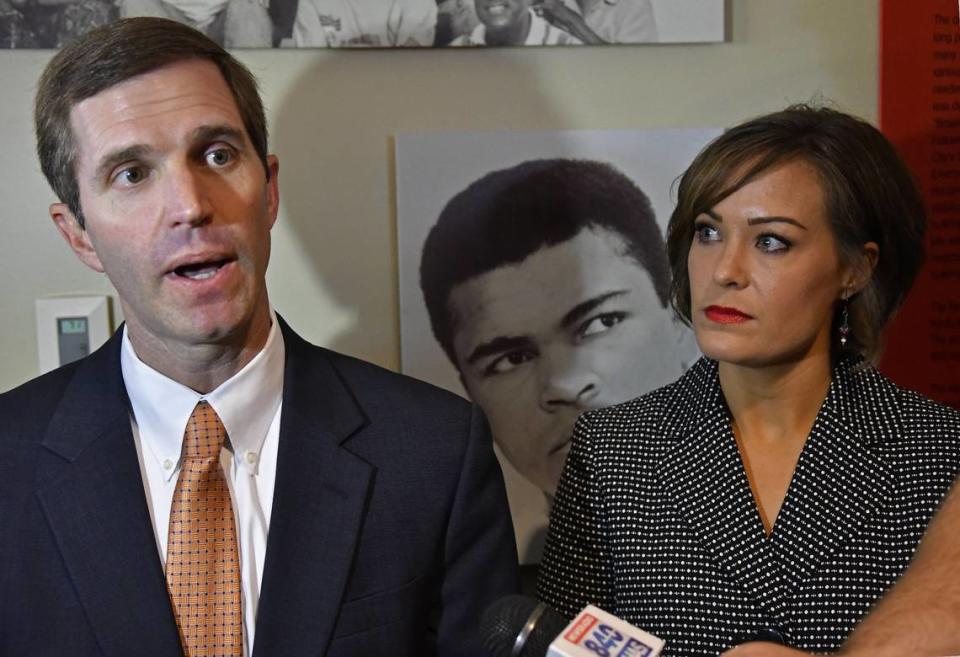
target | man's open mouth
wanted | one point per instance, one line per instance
(201, 270)
(497, 7)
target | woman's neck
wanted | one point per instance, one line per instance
(773, 410)
(776, 402)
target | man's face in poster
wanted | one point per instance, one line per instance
(501, 14)
(574, 326)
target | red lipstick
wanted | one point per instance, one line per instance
(725, 315)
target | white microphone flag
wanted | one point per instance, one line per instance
(596, 633)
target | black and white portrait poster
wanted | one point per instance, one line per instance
(379, 23)
(534, 281)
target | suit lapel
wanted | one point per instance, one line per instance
(91, 491)
(704, 475)
(840, 481)
(318, 509)
(839, 484)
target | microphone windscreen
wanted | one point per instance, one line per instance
(505, 619)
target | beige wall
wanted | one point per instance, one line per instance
(332, 114)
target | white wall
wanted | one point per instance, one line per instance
(332, 114)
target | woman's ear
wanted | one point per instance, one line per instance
(861, 270)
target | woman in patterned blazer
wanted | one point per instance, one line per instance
(781, 485)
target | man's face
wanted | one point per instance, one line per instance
(177, 205)
(572, 327)
(498, 14)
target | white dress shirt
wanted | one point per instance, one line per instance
(248, 403)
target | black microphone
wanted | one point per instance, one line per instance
(519, 626)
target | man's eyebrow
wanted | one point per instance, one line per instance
(209, 133)
(581, 309)
(757, 221)
(109, 161)
(497, 346)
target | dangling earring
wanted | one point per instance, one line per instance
(844, 322)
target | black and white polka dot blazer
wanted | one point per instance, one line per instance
(654, 520)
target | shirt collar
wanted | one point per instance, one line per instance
(247, 403)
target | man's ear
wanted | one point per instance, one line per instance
(861, 271)
(75, 235)
(273, 188)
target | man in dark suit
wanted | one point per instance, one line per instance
(344, 510)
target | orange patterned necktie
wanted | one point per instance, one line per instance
(203, 565)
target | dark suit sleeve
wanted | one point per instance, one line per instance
(480, 554)
(573, 572)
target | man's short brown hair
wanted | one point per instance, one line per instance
(109, 55)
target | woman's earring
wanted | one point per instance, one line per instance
(844, 322)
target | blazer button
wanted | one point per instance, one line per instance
(772, 635)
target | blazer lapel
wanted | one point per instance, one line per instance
(703, 473)
(91, 491)
(318, 509)
(840, 481)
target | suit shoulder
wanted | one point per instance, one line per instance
(36, 399)
(918, 410)
(375, 385)
(696, 386)
(643, 408)
(929, 433)
(366, 380)
(405, 420)
(659, 416)
(356, 369)
(645, 418)
(27, 411)
(880, 400)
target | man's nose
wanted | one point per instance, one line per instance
(568, 380)
(188, 199)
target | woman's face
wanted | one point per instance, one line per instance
(765, 271)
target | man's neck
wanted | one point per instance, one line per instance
(201, 366)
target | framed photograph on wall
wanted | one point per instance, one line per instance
(533, 280)
(380, 23)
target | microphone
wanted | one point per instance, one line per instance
(518, 626)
